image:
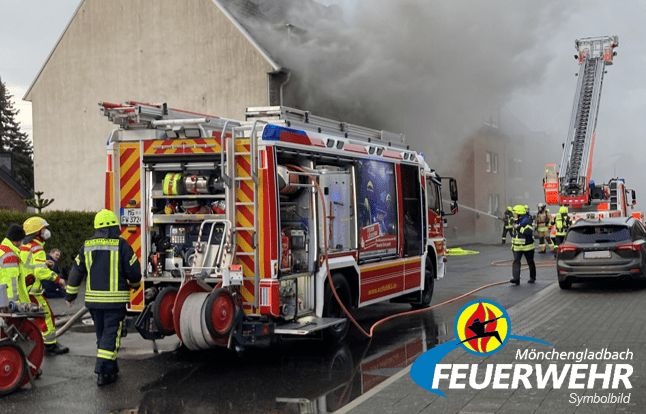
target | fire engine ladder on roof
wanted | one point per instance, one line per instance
(242, 207)
(299, 119)
(594, 55)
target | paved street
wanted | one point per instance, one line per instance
(304, 376)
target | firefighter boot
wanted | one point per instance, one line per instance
(56, 349)
(515, 282)
(105, 379)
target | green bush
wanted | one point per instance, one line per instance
(69, 229)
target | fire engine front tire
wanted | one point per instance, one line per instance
(332, 309)
(13, 367)
(429, 284)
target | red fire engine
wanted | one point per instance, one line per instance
(572, 185)
(241, 226)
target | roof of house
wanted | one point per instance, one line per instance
(15, 185)
(258, 21)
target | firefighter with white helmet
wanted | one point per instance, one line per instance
(112, 269)
(34, 260)
(543, 223)
(522, 244)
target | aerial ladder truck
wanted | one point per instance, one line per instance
(571, 185)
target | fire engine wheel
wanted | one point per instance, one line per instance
(332, 309)
(163, 310)
(13, 367)
(429, 284)
(219, 312)
(35, 358)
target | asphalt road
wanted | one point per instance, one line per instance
(297, 376)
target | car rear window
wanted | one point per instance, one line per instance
(598, 234)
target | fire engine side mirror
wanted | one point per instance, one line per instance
(453, 191)
(633, 196)
(454, 207)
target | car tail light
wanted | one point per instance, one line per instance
(567, 248)
(633, 247)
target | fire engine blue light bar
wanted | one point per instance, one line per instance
(274, 132)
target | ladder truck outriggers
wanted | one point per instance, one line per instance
(572, 185)
(245, 228)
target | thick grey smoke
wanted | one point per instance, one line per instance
(435, 70)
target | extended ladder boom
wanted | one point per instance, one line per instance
(594, 54)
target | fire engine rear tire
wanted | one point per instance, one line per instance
(332, 309)
(13, 367)
(429, 284)
(163, 310)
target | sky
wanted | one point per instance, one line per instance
(510, 58)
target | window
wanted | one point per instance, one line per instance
(491, 162)
(598, 234)
(494, 203)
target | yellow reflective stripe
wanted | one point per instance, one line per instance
(118, 342)
(105, 354)
(101, 242)
(77, 259)
(133, 259)
(106, 293)
(97, 300)
(72, 290)
(114, 271)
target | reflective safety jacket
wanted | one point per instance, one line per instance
(523, 239)
(111, 268)
(12, 272)
(508, 219)
(562, 223)
(34, 261)
(543, 220)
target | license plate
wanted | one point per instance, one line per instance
(130, 216)
(602, 254)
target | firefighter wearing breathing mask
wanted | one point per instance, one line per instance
(34, 260)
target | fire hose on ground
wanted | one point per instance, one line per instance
(68, 324)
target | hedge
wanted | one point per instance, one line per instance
(69, 229)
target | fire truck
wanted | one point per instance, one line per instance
(572, 185)
(247, 229)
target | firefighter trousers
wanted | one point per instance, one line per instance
(108, 324)
(47, 327)
(515, 269)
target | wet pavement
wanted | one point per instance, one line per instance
(298, 376)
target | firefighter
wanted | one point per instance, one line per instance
(508, 224)
(522, 244)
(562, 222)
(111, 268)
(543, 222)
(35, 264)
(11, 270)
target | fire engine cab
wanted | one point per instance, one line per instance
(245, 228)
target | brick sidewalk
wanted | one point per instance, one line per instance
(609, 316)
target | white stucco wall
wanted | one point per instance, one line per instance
(186, 53)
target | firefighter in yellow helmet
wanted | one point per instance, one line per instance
(12, 272)
(522, 244)
(562, 223)
(507, 224)
(34, 260)
(112, 269)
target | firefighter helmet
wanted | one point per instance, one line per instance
(563, 210)
(34, 225)
(105, 218)
(520, 209)
(510, 209)
(541, 206)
